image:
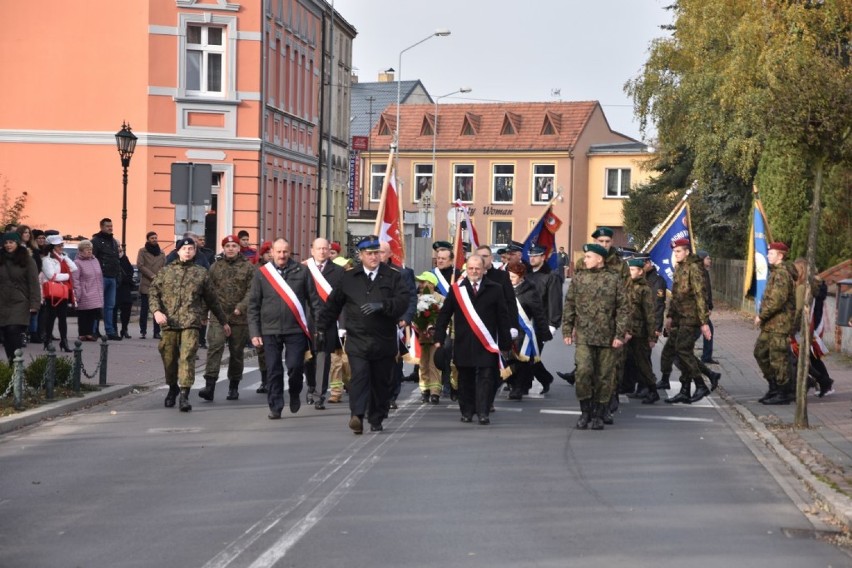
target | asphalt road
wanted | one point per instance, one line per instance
(132, 484)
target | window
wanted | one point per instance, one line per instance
(377, 178)
(503, 187)
(543, 182)
(205, 51)
(617, 182)
(463, 183)
(501, 232)
(422, 180)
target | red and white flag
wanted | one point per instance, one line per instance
(472, 237)
(389, 222)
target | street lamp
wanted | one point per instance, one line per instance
(441, 32)
(435, 132)
(126, 142)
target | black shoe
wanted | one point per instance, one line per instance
(454, 394)
(273, 415)
(183, 400)
(641, 393)
(320, 403)
(596, 422)
(826, 388)
(651, 397)
(714, 380)
(309, 396)
(664, 382)
(484, 421)
(114, 337)
(125, 335)
(434, 399)
(700, 393)
(376, 428)
(63, 346)
(262, 389)
(157, 336)
(295, 404)
(606, 416)
(233, 390)
(710, 361)
(681, 397)
(515, 395)
(545, 386)
(467, 419)
(171, 396)
(392, 404)
(424, 397)
(356, 425)
(570, 377)
(208, 391)
(142, 335)
(585, 415)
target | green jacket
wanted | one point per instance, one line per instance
(181, 290)
(688, 306)
(642, 322)
(596, 306)
(231, 281)
(778, 306)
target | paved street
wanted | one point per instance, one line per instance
(129, 483)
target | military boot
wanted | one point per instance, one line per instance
(571, 376)
(682, 396)
(784, 395)
(585, 414)
(262, 389)
(598, 409)
(613, 403)
(771, 392)
(701, 390)
(209, 388)
(424, 397)
(233, 390)
(652, 396)
(606, 413)
(714, 380)
(171, 396)
(664, 382)
(183, 401)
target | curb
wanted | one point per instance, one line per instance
(838, 504)
(61, 407)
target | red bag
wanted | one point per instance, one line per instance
(54, 292)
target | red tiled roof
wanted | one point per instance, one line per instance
(836, 273)
(568, 120)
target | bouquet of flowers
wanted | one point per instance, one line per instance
(428, 306)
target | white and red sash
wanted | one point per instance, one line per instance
(323, 287)
(443, 285)
(475, 322)
(287, 294)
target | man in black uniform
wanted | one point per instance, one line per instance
(405, 321)
(549, 285)
(478, 347)
(657, 284)
(373, 299)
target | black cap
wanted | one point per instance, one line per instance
(183, 242)
(537, 250)
(442, 245)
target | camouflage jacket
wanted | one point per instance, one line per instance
(231, 280)
(181, 290)
(688, 306)
(642, 321)
(596, 307)
(778, 306)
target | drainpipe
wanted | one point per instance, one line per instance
(321, 121)
(264, 46)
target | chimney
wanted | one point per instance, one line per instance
(353, 78)
(386, 76)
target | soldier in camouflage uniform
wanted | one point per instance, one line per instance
(642, 331)
(231, 278)
(687, 313)
(596, 312)
(177, 299)
(776, 321)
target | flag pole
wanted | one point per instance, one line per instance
(381, 211)
(693, 186)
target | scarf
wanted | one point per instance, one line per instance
(154, 249)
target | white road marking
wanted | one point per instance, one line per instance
(551, 411)
(674, 418)
(223, 376)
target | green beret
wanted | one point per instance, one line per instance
(603, 232)
(441, 245)
(637, 262)
(595, 248)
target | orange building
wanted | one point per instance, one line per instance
(232, 84)
(508, 161)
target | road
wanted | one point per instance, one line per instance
(132, 484)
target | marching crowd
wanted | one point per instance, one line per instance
(346, 325)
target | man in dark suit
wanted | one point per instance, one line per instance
(373, 299)
(324, 276)
(478, 344)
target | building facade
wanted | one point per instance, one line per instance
(232, 84)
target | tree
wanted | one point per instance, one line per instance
(11, 210)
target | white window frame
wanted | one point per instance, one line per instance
(228, 24)
(463, 177)
(377, 174)
(622, 191)
(537, 179)
(509, 180)
(207, 52)
(422, 175)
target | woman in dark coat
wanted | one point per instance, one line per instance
(531, 318)
(123, 295)
(19, 292)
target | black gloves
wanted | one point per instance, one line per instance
(371, 308)
(319, 341)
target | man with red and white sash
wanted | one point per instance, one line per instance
(279, 306)
(481, 322)
(324, 276)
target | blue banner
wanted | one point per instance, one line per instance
(660, 248)
(543, 234)
(757, 266)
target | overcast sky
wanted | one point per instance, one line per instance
(512, 51)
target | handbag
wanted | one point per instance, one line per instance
(54, 292)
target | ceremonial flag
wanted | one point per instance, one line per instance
(757, 266)
(676, 226)
(389, 217)
(543, 234)
(472, 236)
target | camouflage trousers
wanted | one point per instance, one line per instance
(638, 361)
(669, 356)
(770, 352)
(595, 372)
(216, 342)
(430, 375)
(178, 348)
(684, 341)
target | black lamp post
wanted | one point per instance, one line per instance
(126, 142)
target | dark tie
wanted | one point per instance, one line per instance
(372, 276)
(475, 288)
